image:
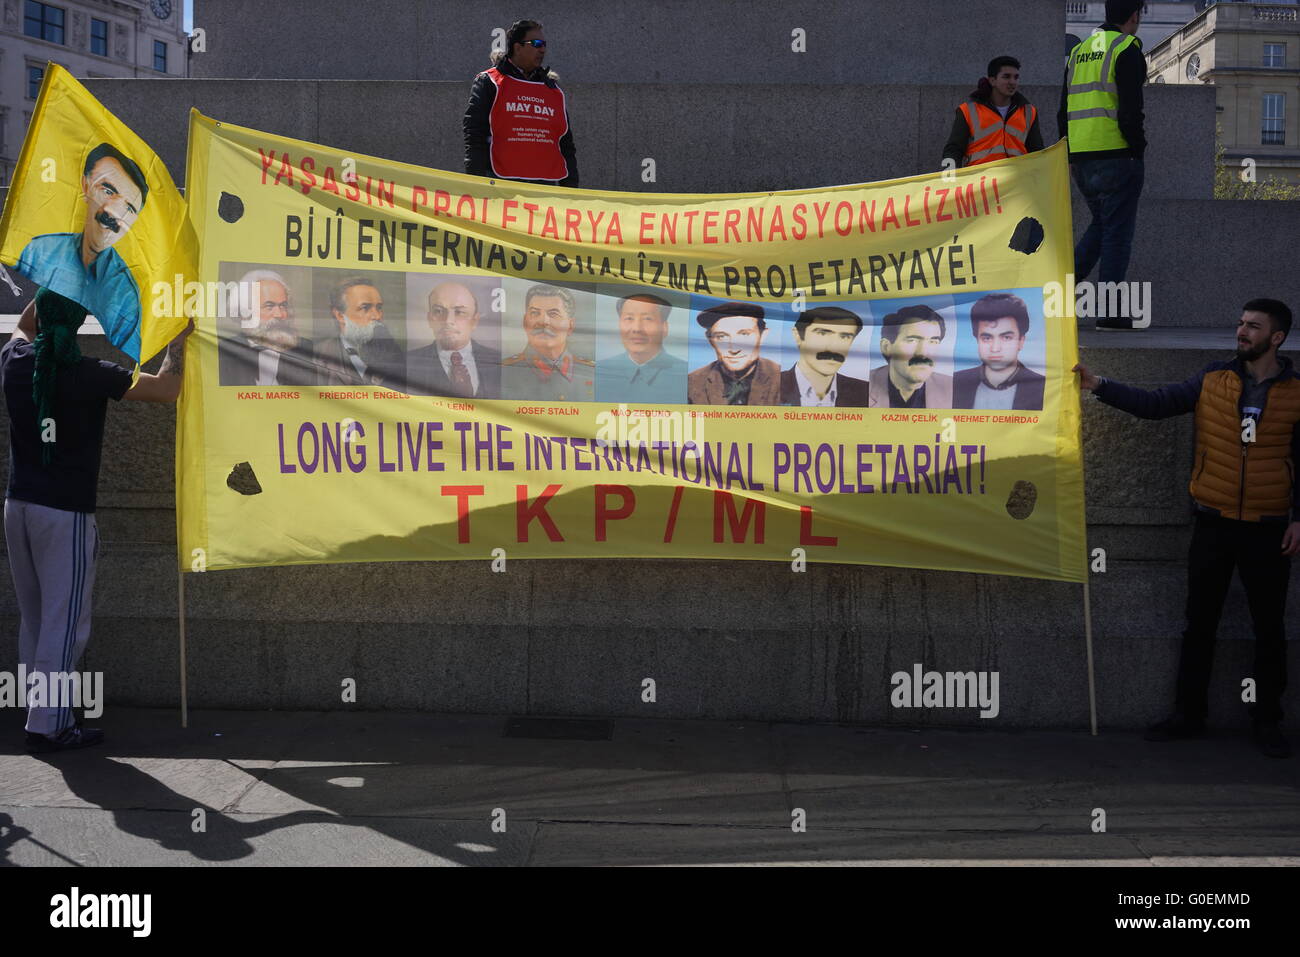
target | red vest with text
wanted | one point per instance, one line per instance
(991, 137)
(528, 120)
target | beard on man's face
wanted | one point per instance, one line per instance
(1249, 353)
(278, 334)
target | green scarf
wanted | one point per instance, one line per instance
(55, 347)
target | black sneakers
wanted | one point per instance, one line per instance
(1267, 734)
(68, 740)
(1270, 741)
(1175, 728)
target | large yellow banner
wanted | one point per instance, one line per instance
(398, 363)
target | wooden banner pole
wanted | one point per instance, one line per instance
(185, 707)
(1087, 636)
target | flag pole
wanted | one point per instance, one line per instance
(185, 709)
(1087, 636)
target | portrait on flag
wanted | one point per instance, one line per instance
(93, 214)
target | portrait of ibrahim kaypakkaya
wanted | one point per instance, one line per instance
(84, 266)
(738, 375)
(643, 371)
(547, 369)
(999, 323)
(824, 336)
(362, 351)
(258, 340)
(455, 363)
(911, 340)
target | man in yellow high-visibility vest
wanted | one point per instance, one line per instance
(1101, 113)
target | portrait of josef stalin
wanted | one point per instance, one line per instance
(547, 369)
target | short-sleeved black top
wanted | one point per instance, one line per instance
(81, 401)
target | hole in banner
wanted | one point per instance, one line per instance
(243, 481)
(230, 207)
(1027, 237)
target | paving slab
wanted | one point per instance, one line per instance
(441, 767)
(368, 788)
(1036, 781)
(561, 844)
(149, 761)
(51, 837)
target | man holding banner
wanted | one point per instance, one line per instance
(57, 399)
(1247, 509)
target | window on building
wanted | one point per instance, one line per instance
(160, 56)
(99, 37)
(1275, 54)
(1274, 131)
(35, 74)
(43, 21)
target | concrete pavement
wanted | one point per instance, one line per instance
(370, 788)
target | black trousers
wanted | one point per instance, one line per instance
(1254, 549)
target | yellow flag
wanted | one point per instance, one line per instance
(92, 214)
(442, 366)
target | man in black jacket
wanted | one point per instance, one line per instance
(517, 122)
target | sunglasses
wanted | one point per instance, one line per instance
(537, 44)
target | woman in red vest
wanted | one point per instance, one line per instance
(517, 122)
(996, 122)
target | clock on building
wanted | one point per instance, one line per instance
(162, 9)
(1193, 66)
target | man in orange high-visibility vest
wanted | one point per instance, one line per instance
(996, 121)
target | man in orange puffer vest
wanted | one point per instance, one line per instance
(996, 121)
(1247, 508)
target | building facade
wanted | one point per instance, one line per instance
(90, 38)
(1250, 53)
(1159, 20)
